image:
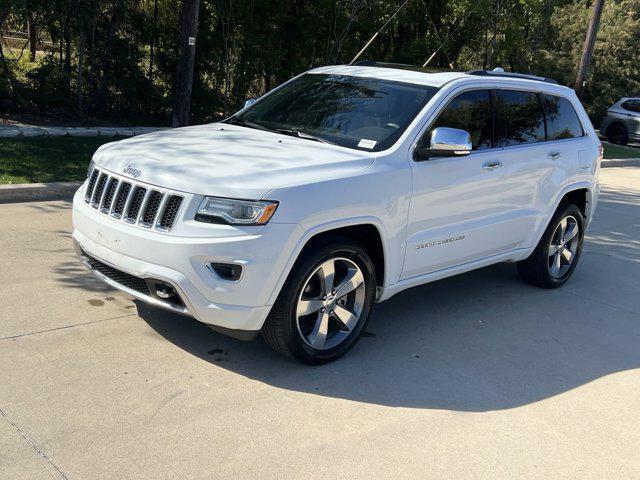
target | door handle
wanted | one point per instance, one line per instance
(491, 165)
(554, 156)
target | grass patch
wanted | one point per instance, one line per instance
(618, 151)
(44, 159)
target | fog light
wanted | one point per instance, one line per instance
(165, 291)
(226, 271)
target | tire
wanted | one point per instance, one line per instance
(320, 336)
(617, 134)
(554, 260)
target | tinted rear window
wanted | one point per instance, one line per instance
(562, 119)
(631, 105)
(522, 118)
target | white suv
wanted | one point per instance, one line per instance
(339, 189)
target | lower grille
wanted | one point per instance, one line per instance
(148, 287)
(125, 279)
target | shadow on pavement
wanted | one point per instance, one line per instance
(476, 342)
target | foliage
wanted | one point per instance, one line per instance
(55, 159)
(95, 55)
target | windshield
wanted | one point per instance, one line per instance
(356, 112)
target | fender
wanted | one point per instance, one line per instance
(582, 185)
(326, 227)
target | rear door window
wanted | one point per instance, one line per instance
(562, 119)
(522, 119)
(632, 105)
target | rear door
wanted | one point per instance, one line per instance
(632, 120)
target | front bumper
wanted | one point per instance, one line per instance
(181, 262)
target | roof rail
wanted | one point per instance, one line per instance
(371, 63)
(502, 73)
(401, 66)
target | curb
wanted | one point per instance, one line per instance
(23, 131)
(621, 162)
(35, 192)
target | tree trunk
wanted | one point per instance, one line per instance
(186, 60)
(81, 42)
(107, 54)
(32, 30)
(4, 13)
(154, 35)
(67, 46)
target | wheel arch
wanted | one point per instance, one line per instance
(580, 194)
(368, 232)
(617, 123)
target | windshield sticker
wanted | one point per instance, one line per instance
(364, 143)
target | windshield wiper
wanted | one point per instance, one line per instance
(300, 134)
(246, 123)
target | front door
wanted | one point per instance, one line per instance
(469, 208)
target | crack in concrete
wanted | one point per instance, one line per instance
(33, 444)
(20, 335)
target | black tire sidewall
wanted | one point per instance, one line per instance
(617, 128)
(294, 285)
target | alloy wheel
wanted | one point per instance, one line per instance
(564, 245)
(330, 303)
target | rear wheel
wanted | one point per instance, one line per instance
(617, 134)
(555, 258)
(325, 303)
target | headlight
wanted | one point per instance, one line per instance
(235, 212)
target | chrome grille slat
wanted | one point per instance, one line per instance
(122, 202)
(97, 193)
(148, 215)
(143, 206)
(92, 183)
(161, 208)
(116, 194)
(109, 192)
(135, 203)
(170, 212)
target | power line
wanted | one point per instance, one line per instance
(377, 33)
(451, 33)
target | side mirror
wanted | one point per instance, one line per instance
(249, 102)
(446, 142)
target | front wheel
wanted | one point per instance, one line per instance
(325, 303)
(555, 258)
(617, 134)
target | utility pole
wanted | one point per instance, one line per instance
(587, 49)
(186, 60)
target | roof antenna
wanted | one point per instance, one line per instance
(375, 35)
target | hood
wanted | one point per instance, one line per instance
(227, 160)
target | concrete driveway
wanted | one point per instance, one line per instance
(477, 376)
